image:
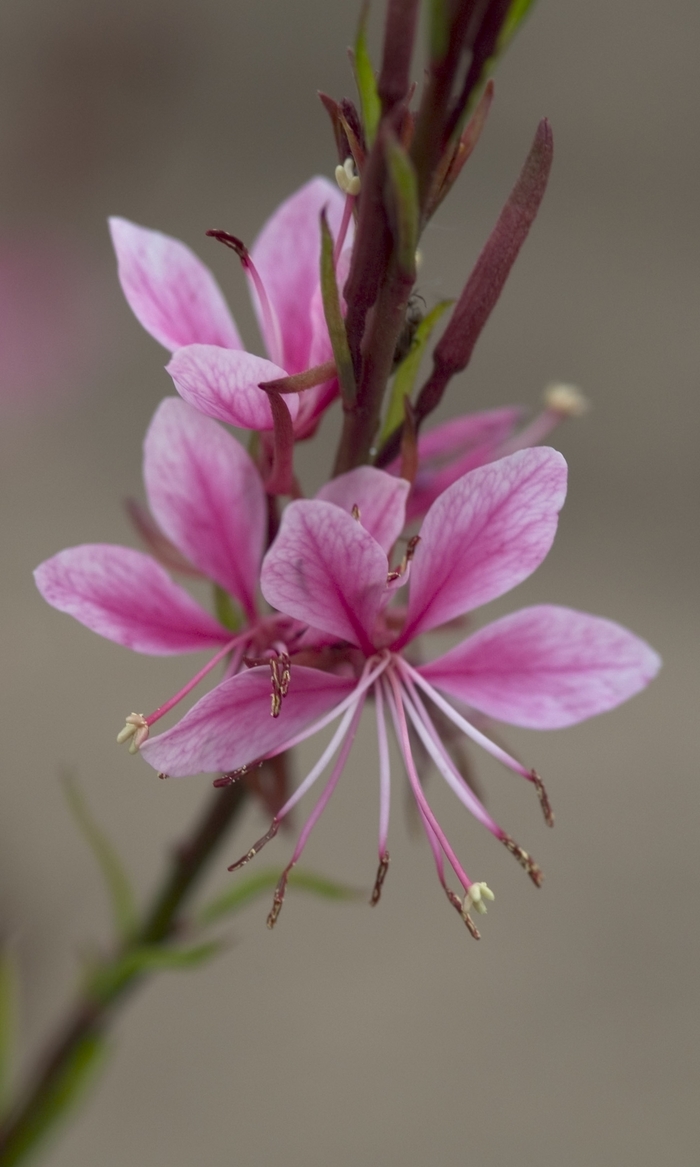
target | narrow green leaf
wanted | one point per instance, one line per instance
(439, 29)
(263, 882)
(9, 1013)
(516, 14)
(407, 371)
(334, 317)
(107, 981)
(111, 866)
(55, 1102)
(404, 191)
(227, 611)
(366, 81)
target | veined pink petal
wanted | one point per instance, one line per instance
(380, 498)
(169, 290)
(485, 534)
(325, 569)
(232, 726)
(207, 497)
(127, 597)
(222, 383)
(545, 667)
(286, 254)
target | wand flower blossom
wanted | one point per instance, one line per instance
(543, 667)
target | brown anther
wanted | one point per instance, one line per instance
(355, 512)
(234, 243)
(277, 900)
(281, 675)
(257, 846)
(379, 881)
(401, 569)
(163, 775)
(525, 860)
(458, 905)
(544, 799)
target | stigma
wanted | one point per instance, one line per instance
(135, 732)
(347, 178)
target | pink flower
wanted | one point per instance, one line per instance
(542, 667)
(208, 499)
(176, 298)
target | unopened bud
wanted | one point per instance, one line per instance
(566, 400)
(347, 178)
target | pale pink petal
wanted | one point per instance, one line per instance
(380, 498)
(545, 667)
(232, 726)
(485, 534)
(169, 290)
(223, 384)
(453, 449)
(128, 597)
(325, 569)
(286, 254)
(207, 496)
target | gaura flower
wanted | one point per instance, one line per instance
(543, 667)
(177, 300)
(208, 500)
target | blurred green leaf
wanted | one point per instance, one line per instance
(407, 371)
(111, 866)
(366, 81)
(334, 317)
(439, 29)
(9, 1011)
(404, 190)
(516, 14)
(107, 981)
(227, 611)
(235, 898)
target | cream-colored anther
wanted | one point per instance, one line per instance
(566, 400)
(474, 899)
(136, 729)
(347, 178)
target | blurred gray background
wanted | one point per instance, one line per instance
(350, 1036)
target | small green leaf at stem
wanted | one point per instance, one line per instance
(403, 205)
(334, 317)
(227, 611)
(118, 885)
(406, 374)
(106, 982)
(366, 81)
(235, 898)
(9, 1016)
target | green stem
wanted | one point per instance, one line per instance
(50, 1090)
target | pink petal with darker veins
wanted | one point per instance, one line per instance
(223, 384)
(485, 534)
(207, 496)
(325, 569)
(286, 254)
(232, 726)
(545, 667)
(379, 497)
(128, 597)
(169, 290)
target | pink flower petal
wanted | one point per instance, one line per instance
(222, 383)
(485, 534)
(380, 497)
(545, 667)
(126, 596)
(207, 497)
(286, 254)
(232, 726)
(325, 569)
(169, 290)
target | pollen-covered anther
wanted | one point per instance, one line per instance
(347, 178)
(566, 400)
(281, 675)
(355, 512)
(256, 846)
(544, 799)
(401, 569)
(477, 897)
(526, 861)
(277, 900)
(458, 905)
(379, 881)
(136, 729)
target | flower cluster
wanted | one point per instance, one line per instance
(324, 607)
